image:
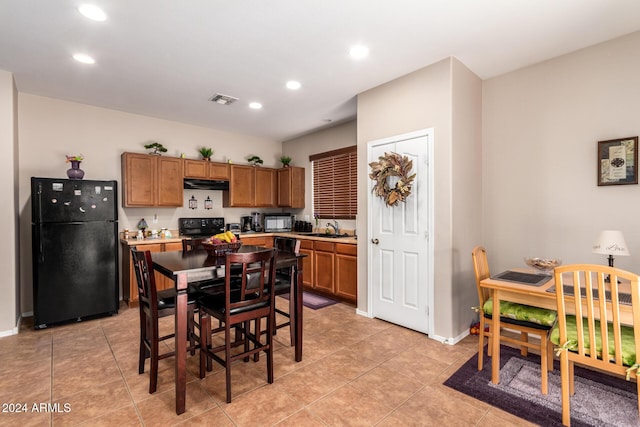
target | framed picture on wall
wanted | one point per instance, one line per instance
(618, 161)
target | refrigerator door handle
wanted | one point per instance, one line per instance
(40, 244)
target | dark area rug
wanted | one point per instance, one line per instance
(313, 301)
(599, 400)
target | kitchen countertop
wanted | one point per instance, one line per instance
(148, 241)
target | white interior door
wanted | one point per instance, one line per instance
(400, 258)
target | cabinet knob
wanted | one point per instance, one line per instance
(375, 241)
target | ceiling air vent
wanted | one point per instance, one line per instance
(221, 99)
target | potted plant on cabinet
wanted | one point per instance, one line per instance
(206, 153)
(255, 160)
(157, 148)
(285, 160)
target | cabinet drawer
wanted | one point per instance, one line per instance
(323, 246)
(306, 244)
(346, 249)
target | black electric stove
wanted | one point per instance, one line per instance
(200, 227)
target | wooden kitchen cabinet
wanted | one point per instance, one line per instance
(266, 241)
(265, 187)
(241, 191)
(150, 180)
(306, 247)
(291, 187)
(203, 169)
(250, 186)
(129, 281)
(324, 264)
(346, 273)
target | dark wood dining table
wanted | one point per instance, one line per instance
(193, 266)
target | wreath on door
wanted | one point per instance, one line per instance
(392, 165)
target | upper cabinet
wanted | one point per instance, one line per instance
(291, 187)
(265, 188)
(203, 169)
(242, 188)
(150, 180)
(251, 186)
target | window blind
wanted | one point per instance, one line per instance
(335, 189)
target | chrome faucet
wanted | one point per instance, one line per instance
(335, 227)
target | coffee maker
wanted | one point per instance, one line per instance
(246, 222)
(256, 224)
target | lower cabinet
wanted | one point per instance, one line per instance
(306, 247)
(266, 241)
(331, 268)
(346, 273)
(323, 260)
(129, 282)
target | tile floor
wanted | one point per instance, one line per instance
(355, 371)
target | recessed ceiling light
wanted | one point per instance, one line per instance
(85, 59)
(359, 52)
(293, 85)
(92, 12)
(255, 105)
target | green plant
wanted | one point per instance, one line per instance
(255, 160)
(285, 160)
(156, 147)
(206, 153)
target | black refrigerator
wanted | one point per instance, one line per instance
(74, 226)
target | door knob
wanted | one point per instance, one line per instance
(375, 241)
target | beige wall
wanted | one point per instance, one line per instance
(9, 303)
(424, 99)
(299, 149)
(540, 130)
(466, 192)
(50, 128)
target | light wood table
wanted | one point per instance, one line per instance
(541, 295)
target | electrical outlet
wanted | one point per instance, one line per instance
(155, 218)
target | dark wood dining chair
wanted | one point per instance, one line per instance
(284, 283)
(596, 317)
(250, 299)
(513, 316)
(153, 305)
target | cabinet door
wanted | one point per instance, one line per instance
(346, 273)
(162, 281)
(219, 171)
(306, 247)
(265, 187)
(241, 187)
(265, 241)
(323, 259)
(138, 177)
(291, 187)
(170, 181)
(196, 169)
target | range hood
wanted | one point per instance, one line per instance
(204, 184)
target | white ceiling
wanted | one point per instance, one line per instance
(166, 58)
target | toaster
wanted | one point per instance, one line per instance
(234, 227)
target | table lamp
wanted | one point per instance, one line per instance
(611, 242)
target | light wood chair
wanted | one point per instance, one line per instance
(507, 312)
(601, 304)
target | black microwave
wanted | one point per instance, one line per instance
(277, 222)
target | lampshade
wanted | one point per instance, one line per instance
(611, 242)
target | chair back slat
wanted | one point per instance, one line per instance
(255, 282)
(147, 290)
(597, 311)
(481, 268)
(192, 244)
